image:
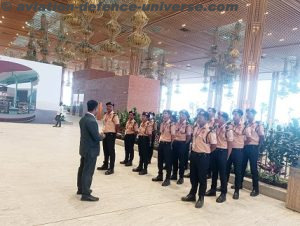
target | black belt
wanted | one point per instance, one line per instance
(110, 134)
(143, 136)
(180, 141)
(200, 153)
(165, 142)
(221, 149)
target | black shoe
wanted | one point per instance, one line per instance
(149, 162)
(200, 202)
(137, 169)
(210, 193)
(187, 175)
(221, 198)
(218, 189)
(236, 195)
(254, 193)
(128, 163)
(166, 183)
(89, 198)
(109, 172)
(158, 178)
(103, 167)
(80, 192)
(143, 172)
(173, 177)
(123, 162)
(180, 181)
(189, 198)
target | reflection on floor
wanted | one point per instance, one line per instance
(38, 184)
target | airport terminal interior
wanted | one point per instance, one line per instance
(171, 68)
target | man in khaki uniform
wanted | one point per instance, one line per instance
(183, 132)
(131, 130)
(236, 156)
(220, 155)
(204, 141)
(167, 132)
(144, 134)
(110, 128)
(254, 132)
(153, 124)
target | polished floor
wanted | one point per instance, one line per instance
(38, 185)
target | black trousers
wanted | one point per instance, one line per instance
(178, 152)
(85, 174)
(151, 146)
(187, 155)
(218, 160)
(109, 149)
(58, 120)
(144, 146)
(199, 166)
(164, 156)
(236, 158)
(129, 140)
(251, 154)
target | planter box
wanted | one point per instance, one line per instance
(293, 192)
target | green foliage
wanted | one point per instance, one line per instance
(282, 146)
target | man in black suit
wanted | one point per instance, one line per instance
(89, 150)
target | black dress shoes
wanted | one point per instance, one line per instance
(173, 177)
(89, 198)
(221, 198)
(166, 183)
(103, 167)
(128, 163)
(254, 193)
(137, 169)
(210, 193)
(189, 198)
(158, 178)
(236, 195)
(143, 172)
(180, 180)
(200, 202)
(123, 162)
(80, 192)
(109, 172)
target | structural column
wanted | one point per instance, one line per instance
(273, 97)
(252, 53)
(210, 93)
(169, 94)
(135, 61)
(62, 84)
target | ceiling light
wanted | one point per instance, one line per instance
(188, 65)
(23, 27)
(0, 21)
(269, 34)
(240, 20)
(183, 25)
(3, 17)
(159, 43)
(248, 4)
(295, 29)
(223, 12)
(281, 40)
(266, 13)
(17, 34)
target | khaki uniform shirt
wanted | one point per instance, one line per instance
(109, 122)
(253, 131)
(131, 127)
(224, 135)
(167, 130)
(238, 135)
(203, 137)
(145, 129)
(182, 130)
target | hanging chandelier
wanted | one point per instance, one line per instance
(84, 49)
(93, 14)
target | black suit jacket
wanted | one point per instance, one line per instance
(89, 136)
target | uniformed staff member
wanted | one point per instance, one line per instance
(254, 132)
(153, 124)
(220, 155)
(131, 130)
(212, 124)
(110, 127)
(182, 137)
(204, 141)
(167, 132)
(144, 134)
(236, 156)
